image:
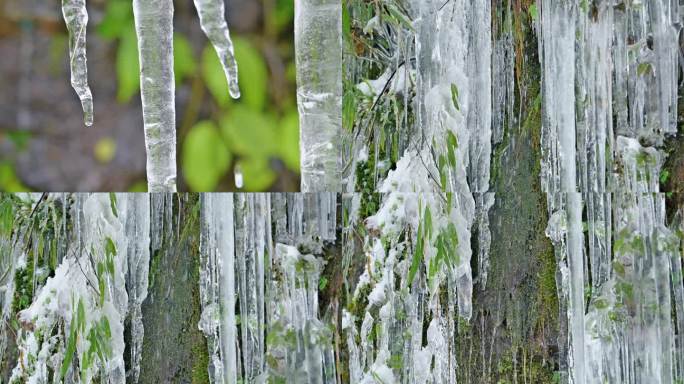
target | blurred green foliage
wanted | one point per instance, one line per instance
(250, 133)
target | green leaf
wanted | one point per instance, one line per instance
(257, 173)
(81, 315)
(253, 73)
(454, 97)
(70, 350)
(9, 181)
(112, 204)
(417, 255)
(289, 140)
(118, 16)
(619, 268)
(105, 327)
(110, 248)
(127, 67)
(205, 157)
(452, 145)
(534, 12)
(184, 63)
(601, 304)
(664, 176)
(282, 15)
(644, 68)
(441, 164)
(427, 218)
(349, 106)
(214, 77)
(20, 139)
(250, 133)
(399, 16)
(346, 23)
(322, 283)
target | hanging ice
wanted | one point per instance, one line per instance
(76, 18)
(275, 285)
(252, 245)
(608, 107)
(217, 286)
(318, 54)
(213, 22)
(135, 209)
(154, 27)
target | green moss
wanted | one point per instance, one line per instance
(357, 307)
(200, 369)
(525, 368)
(365, 183)
(23, 285)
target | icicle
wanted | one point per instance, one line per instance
(154, 27)
(318, 53)
(608, 106)
(313, 359)
(217, 286)
(76, 18)
(213, 22)
(557, 46)
(136, 212)
(239, 181)
(250, 249)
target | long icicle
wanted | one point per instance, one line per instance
(318, 55)
(76, 19)
(154, 27)
(213, 22)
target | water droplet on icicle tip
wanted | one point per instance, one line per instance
(76, 19)
(211, 14)
(87, 111)
(239, 182)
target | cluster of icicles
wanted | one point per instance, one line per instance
(609, 103)
(261, 258)
(265, 250)
(154, 27)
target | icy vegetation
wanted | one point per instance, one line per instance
(430, 111)
(80, 268)
(76, 18)
(609, 78)
(318, 54)
(417, 275)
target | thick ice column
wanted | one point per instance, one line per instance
(311, 359)
(318, 54)
(251, 215)
(217, 285)
(479, 119)
(213, 22)
(76, 18)
(136, 210)
(154, 27)
(559, 175)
